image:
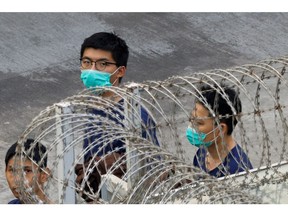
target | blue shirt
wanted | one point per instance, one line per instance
(15, 201)
(236, 161)
(96, 135)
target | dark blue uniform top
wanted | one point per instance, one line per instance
(15, 201)
(236, 161)
(97, 135)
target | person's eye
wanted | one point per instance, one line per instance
(86, 61)
(10, 169)
(28, 170)
(103, 63)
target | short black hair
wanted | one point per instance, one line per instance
(35, 152)
(218, 98)
(108, 41)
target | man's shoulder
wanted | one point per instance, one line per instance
(237, 150)
(15, 201)
(239, 156)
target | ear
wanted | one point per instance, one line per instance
(224, 128)
(121, 72)
(44, 175)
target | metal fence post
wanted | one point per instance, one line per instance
(66, 193)
(132, 109)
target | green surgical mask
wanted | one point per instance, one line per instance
(197, 138)
(95, 78)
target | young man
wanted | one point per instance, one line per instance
(27, 171)
(211, 125)
(103, 60)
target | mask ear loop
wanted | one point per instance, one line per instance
(113, 74)
(213, 131)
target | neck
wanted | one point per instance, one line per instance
(107, 94)
(44, 198)
(111, 96)
(218, 151)
(221, 147)
(41, 196)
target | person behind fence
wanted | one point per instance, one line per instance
(215, 115)
(103, 59)
(27, 173)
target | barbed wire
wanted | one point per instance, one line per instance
(154, 163)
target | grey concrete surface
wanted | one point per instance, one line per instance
(39, 53)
